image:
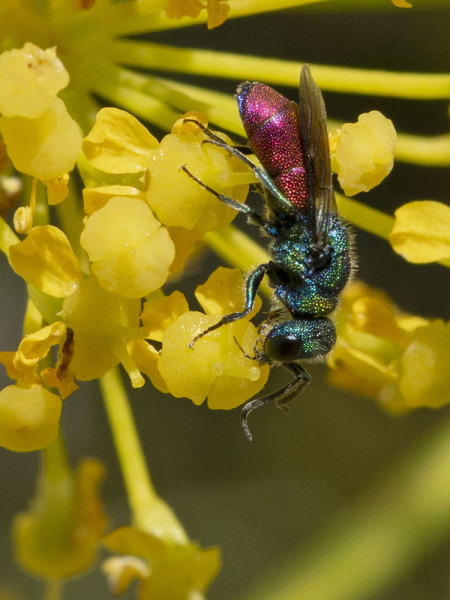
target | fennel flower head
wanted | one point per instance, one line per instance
(101, 221)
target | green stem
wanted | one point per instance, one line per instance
(377, 541)
(33, 318)
(431, 151)
(239, 251)
(365, 217)
(53, 589)
(273, 71)
(150, 513)
(55, 463)
(110, 82)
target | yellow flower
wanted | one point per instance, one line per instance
(399, 360)
(166, 571)
(130, 252)
(40, 136)
(102, 322)
(402, 3)
(45, 260)
(421, 232)
(29, 417)
(30, 413)
(363, 152)
(59, 536)
(179, 201)
(118, 142)
(30, 79)
(218, 367)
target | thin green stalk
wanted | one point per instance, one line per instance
(365, 217)
(279, 72)
(378, 540)
(221, 109)
(239, 251)
(432, 151)
(109, 84)
(53, 589)
(218, 107)
(150, 513)
(32, 320)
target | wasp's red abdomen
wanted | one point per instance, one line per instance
(271, 123)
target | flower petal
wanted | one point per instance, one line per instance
(224, 293)
(158, 313)
(177, 200)
(44, 147)
(364, 152)
(45, 260)
(130, 251)
(118, 142)
(97, 197)
(215, 365)
(421, 233)
(425, 376)
(175, 571)
(30, 78)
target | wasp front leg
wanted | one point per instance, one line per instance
(253, 282)
(243, 208)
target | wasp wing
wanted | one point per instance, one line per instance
(314, 135)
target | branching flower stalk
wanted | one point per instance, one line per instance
(95, 276)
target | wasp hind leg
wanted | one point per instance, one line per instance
(280, 397)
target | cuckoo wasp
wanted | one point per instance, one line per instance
(310, 247)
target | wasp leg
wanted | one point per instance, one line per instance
(243, 208)
(284, 205)
(252, 285)
(280, 397)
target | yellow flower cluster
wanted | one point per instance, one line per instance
(163, 570)
(144, 217)
(398, 359)
(59, 535)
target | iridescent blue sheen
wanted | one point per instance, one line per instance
(308, 290)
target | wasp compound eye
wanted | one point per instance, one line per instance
(283, 347)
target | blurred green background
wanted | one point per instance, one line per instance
(260, 501)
